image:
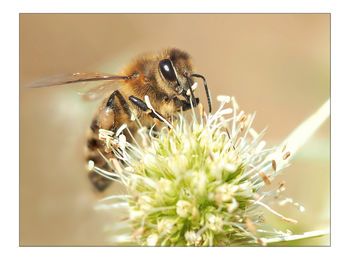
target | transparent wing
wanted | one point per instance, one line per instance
(91, 93)
(69, 78)
(88, 93)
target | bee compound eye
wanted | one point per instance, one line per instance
(167, 70)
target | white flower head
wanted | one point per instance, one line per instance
(145, 203)
(183, 208)
(225, 192)
(192, 238)
(231, 207)
(136, 215)
(164, 187)
(215, 223)
(201, 183)
(198, 181)
(152, 240)
(165, 226)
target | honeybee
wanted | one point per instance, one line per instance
(166, 78)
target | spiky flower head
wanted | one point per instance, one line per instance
(200, 183)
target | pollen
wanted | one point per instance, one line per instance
(91, 165)
(284, 148)
(265, 178)
(274, 167)
(286, 155)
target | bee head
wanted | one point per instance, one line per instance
(176, 70)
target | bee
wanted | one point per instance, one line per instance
(166, 78)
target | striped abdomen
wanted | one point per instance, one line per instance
(111, 114)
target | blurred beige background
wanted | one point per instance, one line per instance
(275, 64)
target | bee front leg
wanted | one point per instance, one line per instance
(149, 111)
(184, 104)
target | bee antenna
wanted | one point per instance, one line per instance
(206, 88)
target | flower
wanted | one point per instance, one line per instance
(192, 238)
(201, 182)
(183, 208)
(152, 240)
(215, 223)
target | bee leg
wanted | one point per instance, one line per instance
(184, 104)
(105, 120)
(143, 106)
(187, 105)
(99, 182)
(140, 104)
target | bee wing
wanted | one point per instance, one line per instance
(82, 77)
(69, 78)
(98, 90)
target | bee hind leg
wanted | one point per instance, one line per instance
(99, 182)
